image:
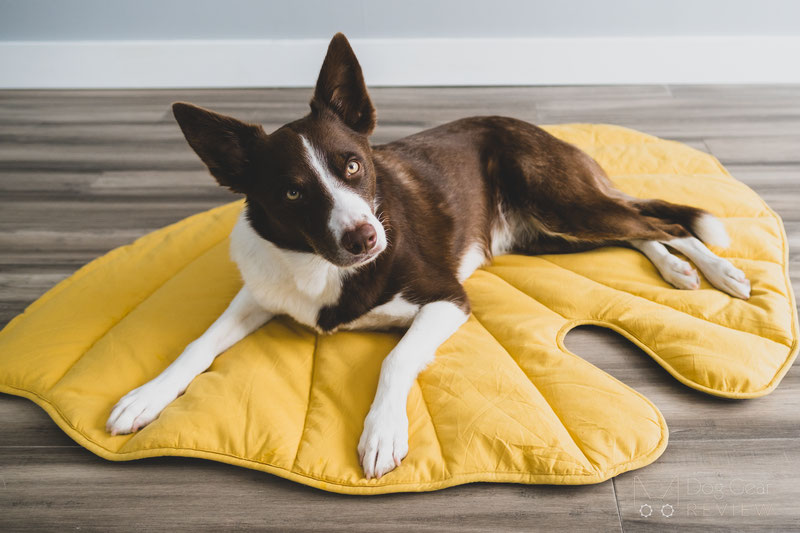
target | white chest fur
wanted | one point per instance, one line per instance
(300, 284)
(282, 281)
(397, 312)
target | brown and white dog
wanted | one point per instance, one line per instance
(339, 234)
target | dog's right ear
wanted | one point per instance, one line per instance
(222, 142)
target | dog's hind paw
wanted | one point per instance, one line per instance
(679, 273)
(726, 277)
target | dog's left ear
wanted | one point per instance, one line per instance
(341, 88)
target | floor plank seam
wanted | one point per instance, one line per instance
(616, 500)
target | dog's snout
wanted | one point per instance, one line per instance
(360, 239)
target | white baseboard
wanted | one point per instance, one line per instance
(402, 62)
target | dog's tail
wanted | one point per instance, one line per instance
(699, 222)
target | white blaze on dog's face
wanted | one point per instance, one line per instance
(311, 184)
(352, 221)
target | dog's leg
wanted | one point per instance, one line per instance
(142, 405)
(384, 441)
(676, 271)
(719, 272)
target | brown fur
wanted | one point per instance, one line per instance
(439, 191)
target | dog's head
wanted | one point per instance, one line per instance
(310, 185)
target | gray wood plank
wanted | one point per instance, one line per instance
(715, 485)
(757, 149)
(61, 488)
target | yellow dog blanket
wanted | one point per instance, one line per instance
(504, 400)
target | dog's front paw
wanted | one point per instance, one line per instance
(384, 441)
(139, 407)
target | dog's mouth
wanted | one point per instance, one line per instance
(347, 260)
(357, 260)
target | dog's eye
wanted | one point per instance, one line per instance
(292, 194)
(353, 166)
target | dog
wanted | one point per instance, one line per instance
(339, 234)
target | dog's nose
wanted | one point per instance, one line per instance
(360, 239)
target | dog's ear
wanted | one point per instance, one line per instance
(222, 142)
(341, 88)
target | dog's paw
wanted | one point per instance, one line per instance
(679, 273)
(726, 277)
(139, 407)
(384, 441)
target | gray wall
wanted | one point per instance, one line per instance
(55, 20)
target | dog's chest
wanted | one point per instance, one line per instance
(397, 312)
(284, 282)
(300, 284)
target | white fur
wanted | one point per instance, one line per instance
(503, 234)
(511, 228)
(397, 312)
(297, 284)
(142, 405)
(719, 271)
(276, 281)
(674, 270)
(384, 441)
(349, 209)
(711, 231)
(472, 259)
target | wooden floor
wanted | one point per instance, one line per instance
(85, 171)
